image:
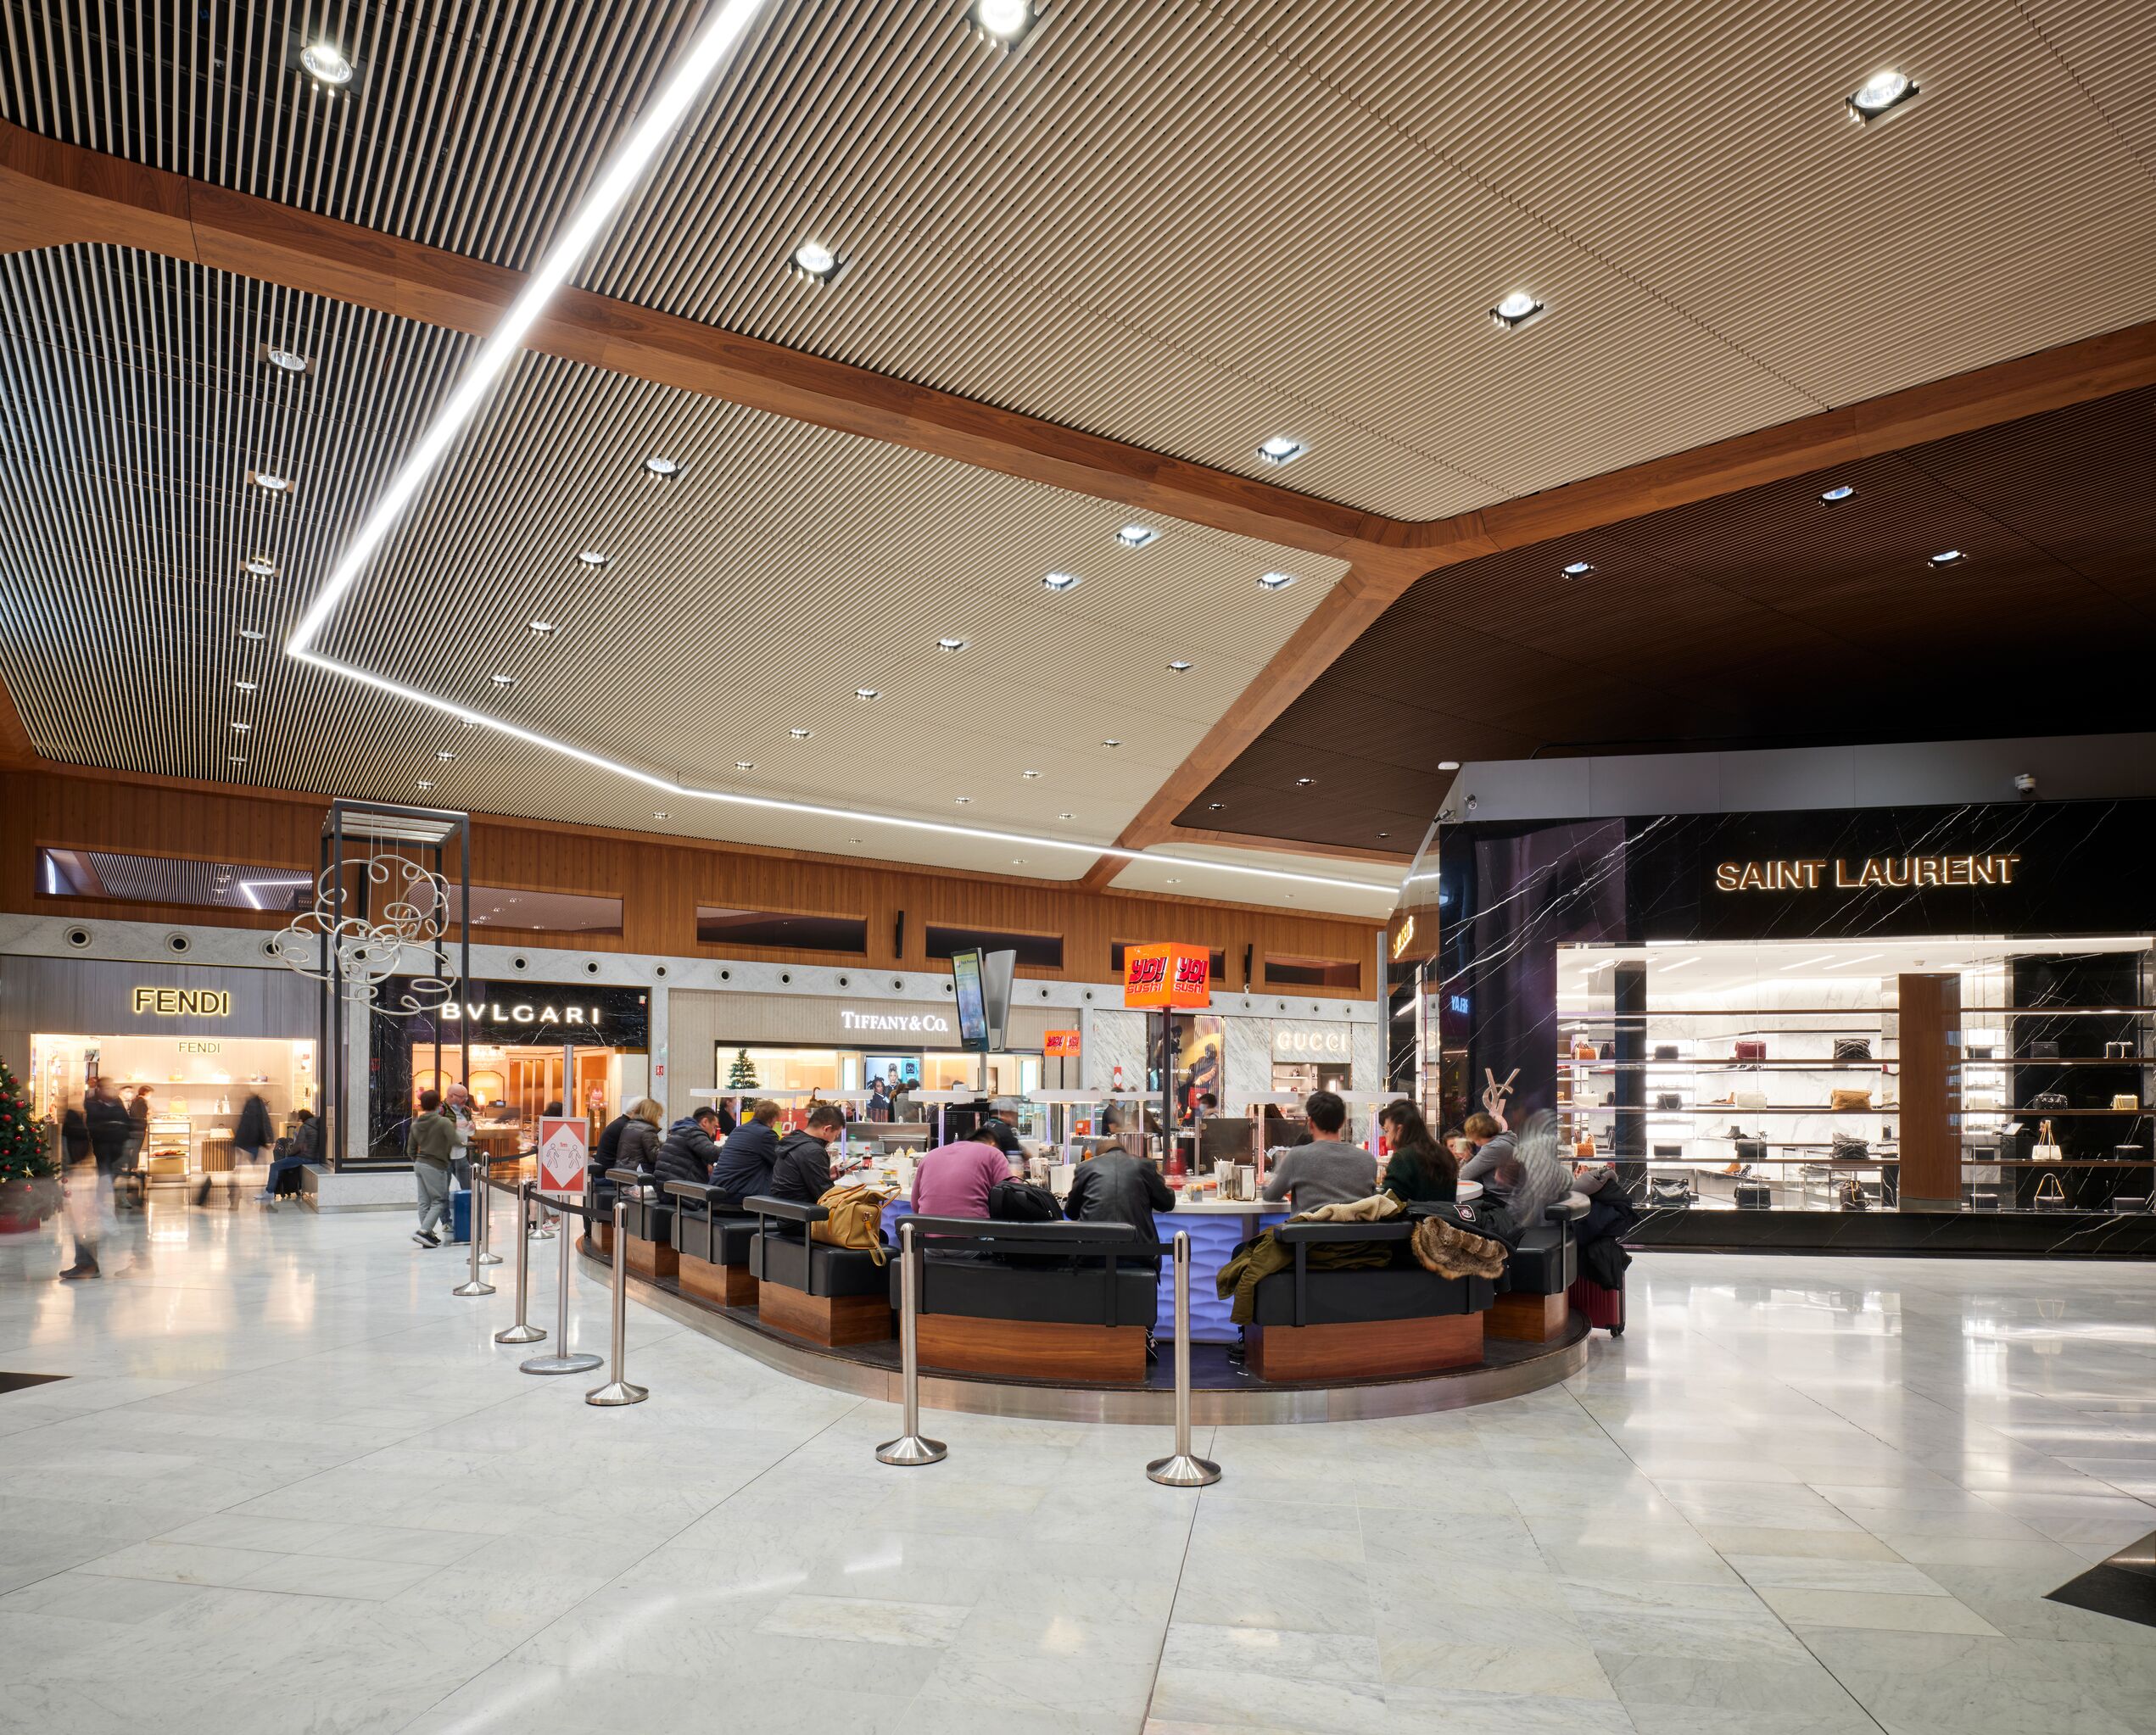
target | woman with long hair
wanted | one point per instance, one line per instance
(1421, 1171)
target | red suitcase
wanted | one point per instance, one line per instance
(1603, 1307)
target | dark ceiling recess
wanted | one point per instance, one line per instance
(1767, 618)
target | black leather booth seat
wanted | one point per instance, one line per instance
(830, 1296)
(712, 1245)
(1313, 1324)
(647, 1220)
(1532, 1304)
(1071, 1301)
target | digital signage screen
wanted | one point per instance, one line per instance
(973, 1004)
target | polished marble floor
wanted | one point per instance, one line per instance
(291, 1485)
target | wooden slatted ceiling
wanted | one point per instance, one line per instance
(1765, 618)
(1191, 225)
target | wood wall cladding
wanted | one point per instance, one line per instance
(661, 881)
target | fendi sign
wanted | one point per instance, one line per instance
(1889, 872)
(184, 1002)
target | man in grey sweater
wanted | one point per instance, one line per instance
(1326, 1171)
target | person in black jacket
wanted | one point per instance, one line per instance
(688, 1151)
(599, 1191)
(743, 1168)
(253, 1130)
(999, 1127)
(802, 1169)
(1113, 1186)
(111, 1126)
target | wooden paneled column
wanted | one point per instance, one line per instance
(1930, 1093)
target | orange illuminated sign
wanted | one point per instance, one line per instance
(1060, 1042)
(1178, 976)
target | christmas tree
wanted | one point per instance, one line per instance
(743, 1077)
(22, 1139)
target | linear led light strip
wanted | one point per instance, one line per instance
(501, 349)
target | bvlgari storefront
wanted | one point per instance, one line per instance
(1877, 1030)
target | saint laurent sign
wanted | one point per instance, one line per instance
(1891, 872)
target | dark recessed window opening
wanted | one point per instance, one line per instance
(848, 935)
(1312, 973)
(1043, 950)
(1117, 948)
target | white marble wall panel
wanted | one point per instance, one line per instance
(1114, 1038)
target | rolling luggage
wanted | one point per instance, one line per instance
(1603, 1307)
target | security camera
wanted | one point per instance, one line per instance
(1471, 804)
(2027, 783)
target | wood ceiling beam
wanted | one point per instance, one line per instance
(54, 194)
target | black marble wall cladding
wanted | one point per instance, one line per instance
(2004, 1234)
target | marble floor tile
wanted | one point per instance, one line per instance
(1864, 1608)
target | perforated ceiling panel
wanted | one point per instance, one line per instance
(1192, 224)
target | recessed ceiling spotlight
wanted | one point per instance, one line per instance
(252, 637)
(1276, 581)
(1303, 782)
(1018, 861)
(505, 680)
(325, 62)
(1517, 309)
(817, 262)
(1384, 833)
(1215, 806)
(269, 482)
(544, 629)
(240, 728)
(1578, 569)
(244, 686)
(1111, 744)
(1947, 557)
(1137, 535)
(1066, 815)
(445, 756)
(1880, 95)
(1173, 880)
(745, 765)
(800, 735)
(1179, 667)
(1447, 765)
(666, 469)
(950, 644)
(261, 565)
(592, 558)
(1060, 581)
(865, 693)
(239, 758)
(1029, 774)
(1840, 491)
(425, 784)
(962, 801)
(285, 360)
(1003, 19)
(1280, 448)
(661, 813)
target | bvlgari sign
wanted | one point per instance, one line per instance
(517, 1012)
(1874, 873)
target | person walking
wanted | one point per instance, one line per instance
(457, 1103)
(428, 1143)
(253, 1130)
(138, 1113)
(79, 1154)
(109, 1125)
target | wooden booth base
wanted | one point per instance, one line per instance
(1529, 1319)
(724, 1285)
(1032, 1349)
(652, 1258)
(600, 1236)
(1382, 1349)
(833, 1321)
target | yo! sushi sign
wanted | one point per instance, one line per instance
(1167, 976)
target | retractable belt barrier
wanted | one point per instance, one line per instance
(563, 1360)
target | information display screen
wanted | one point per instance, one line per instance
(973, 1006)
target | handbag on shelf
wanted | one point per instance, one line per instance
(1749, 1048)
(1668, 1103)
(2128, 1204)
(2048, 1099)
(1665, 1051)
(2050, 1194)
(1749, 1150)
(2118, 1051)
(1670, 1190)
(1983, 1053)
(1755, 1195)
(1608, 1052)
(1983, 1199)
(1669, 1153)
(1839, 1100)
(1850, 1050)
(1747, 1099)
(1582, 1049)
(1980, 1102)
(2045, 1149)
(2043, 1049)
(1848, 1148)
(1853, 1196)
(2126, 1103)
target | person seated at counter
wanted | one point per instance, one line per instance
(1326, 1171)
(953, 1181)
(801, 1171)
(1525, 1179)
(688, 1149)
(999, 1127)
(1113, 1186)
(742, 1167)
(1277, 1131)
(1422, 1172)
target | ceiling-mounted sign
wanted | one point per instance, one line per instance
(1871, 873)
(1168, 975)
(183, 1002)
(1056, 1042)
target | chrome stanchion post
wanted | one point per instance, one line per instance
(524, 1331)
(474, 1284)
(911, 1447)
(1183, 1471)
(618, 1390)
(563, 1362)
(483, 1216)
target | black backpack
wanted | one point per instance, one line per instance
(1023, 1201)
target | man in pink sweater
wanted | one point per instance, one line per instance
(953, 1181)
